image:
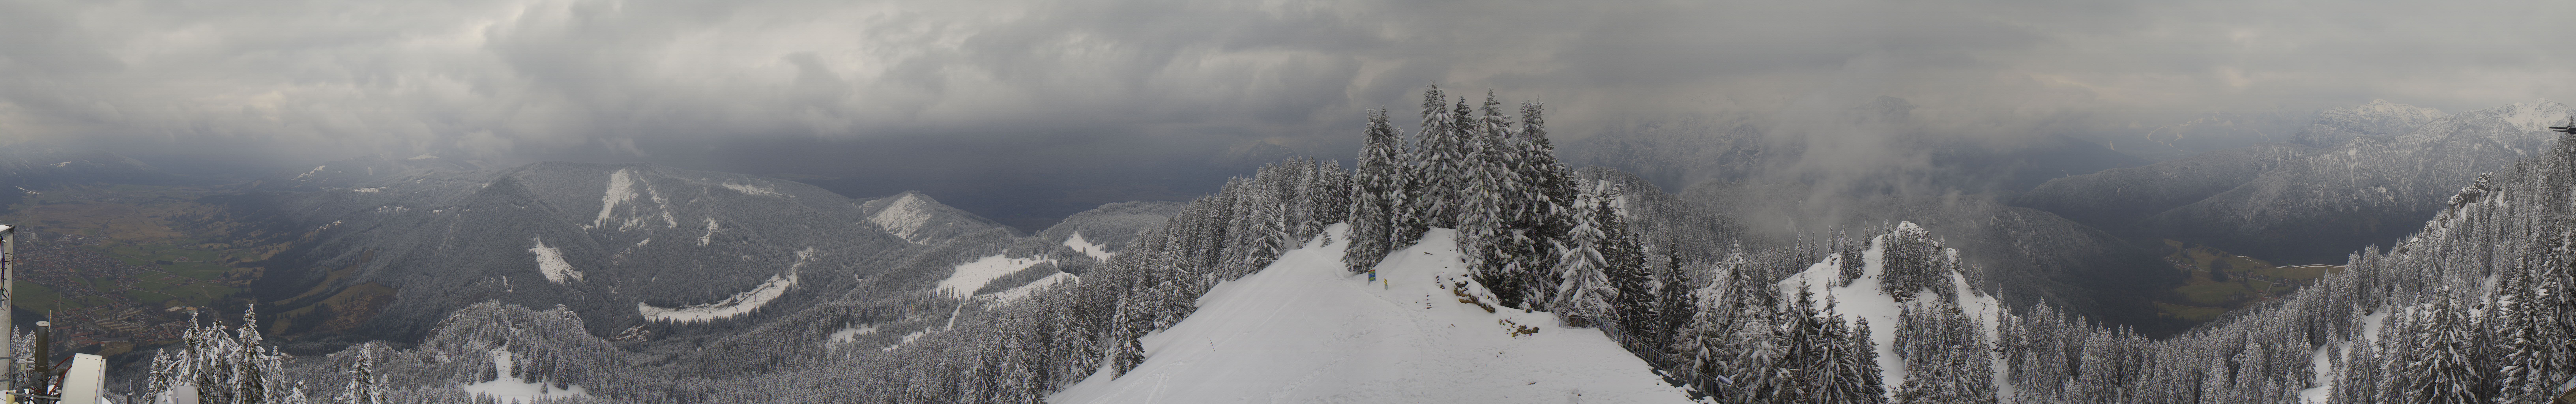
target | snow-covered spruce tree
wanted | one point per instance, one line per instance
(1624, 263)
(1854, 376)
(1945, 353)
(1753, 361)
(1673, 301)
(2445, 366)
(1269, 233)
(1125, 349)
(1847, 252)
(1711, 348)
(1825, 359)
(1484, 203)
(1328, 196)
(221, 365)
(2521, 373)
(1544, 208)
(1431, 171)
(1376, 188)
(366, 383)
(1697, 346)
(1585, 292)
(1808, 342)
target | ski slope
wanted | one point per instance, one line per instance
(1305, 331)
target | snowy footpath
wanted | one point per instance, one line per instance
(1305, 331)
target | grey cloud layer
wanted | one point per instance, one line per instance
(516, 77)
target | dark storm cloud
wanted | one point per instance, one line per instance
(514, 80)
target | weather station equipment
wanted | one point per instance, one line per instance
(75, 380)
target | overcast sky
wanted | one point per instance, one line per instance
(1142, 83)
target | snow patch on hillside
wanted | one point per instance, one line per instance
(738, 304)
(904, 217)
(622, 191)
(512, 389)
(907, 339)
(752, 189)
(1863, 299)
(972, 276)
(550, 262)
(1096, 251)
(852, 334)
(1305, 330)
(1023, 291)
(710, 237)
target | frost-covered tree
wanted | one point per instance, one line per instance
(1585, 291)
(221, 364)
(1377, 189)
(366, 384)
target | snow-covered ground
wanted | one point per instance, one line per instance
(1096, 251)
(2320, 362)
(738, 304)
(847, 335)
(1863, 299)
(550, 262)
(621, 190)
(1304, 330)
(508, 389)
(972, 276)
(904, 217)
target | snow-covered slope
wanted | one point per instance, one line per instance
(972, 276)
(1303, 330)
(1864, 299)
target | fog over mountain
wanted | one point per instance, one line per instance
(1036, 95)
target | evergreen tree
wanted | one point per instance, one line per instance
(1624, 262)
(1672, 297)
(2445, 367)
(1377, 192)
(1586, 291)
(366, 383)
(1699, 346)
(1856, 377)
(221, 365)
(1431, 174)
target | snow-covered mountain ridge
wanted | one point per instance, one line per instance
(1865, 297)
(1304, 330)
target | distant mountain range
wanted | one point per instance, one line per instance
(2360, 176)
(384, 248)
